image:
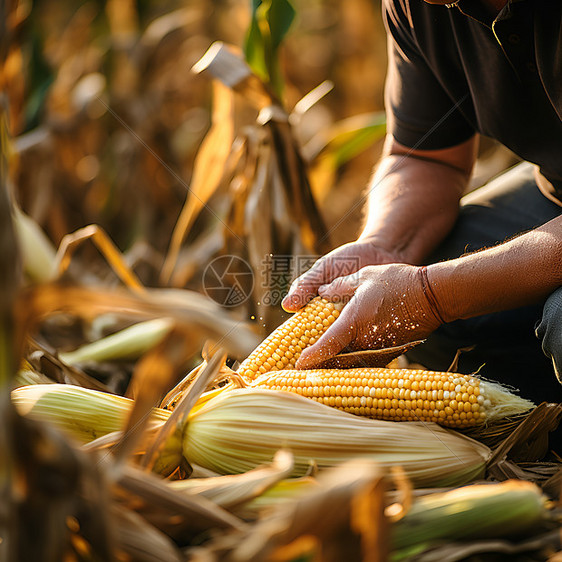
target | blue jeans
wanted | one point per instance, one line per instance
(523, 347)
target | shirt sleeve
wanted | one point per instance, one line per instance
(420, 114)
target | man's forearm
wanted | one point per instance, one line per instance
(412, 205)
(414, 197)
(516, 273)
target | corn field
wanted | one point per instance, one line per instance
(167, 168)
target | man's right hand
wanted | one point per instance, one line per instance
(342, 261)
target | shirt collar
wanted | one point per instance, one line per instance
(478, 11)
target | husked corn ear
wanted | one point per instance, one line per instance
(449, 399)
(282, 348)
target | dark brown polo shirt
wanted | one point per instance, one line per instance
(456, 71)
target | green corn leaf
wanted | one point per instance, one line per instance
(271, 20)
(347, 138)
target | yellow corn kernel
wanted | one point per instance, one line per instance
(281, 349)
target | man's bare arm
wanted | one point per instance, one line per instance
(414, 197)
(516, 273)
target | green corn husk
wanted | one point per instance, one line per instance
(38, 252)
(89, 414)
(27, 376)
(472, 512)
(284, 492)
(241, 429)
(85, 414)
(129, 343)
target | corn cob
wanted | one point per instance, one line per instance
(243, 428)
(282, 348)
(449, 399)
(129, 343)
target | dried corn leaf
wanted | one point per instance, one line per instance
(154, 373)
(207, 172)
(298, 194)
(309, 100)
(225, 63)
(186, 308)
(107, 248)
(232, 490)
(175, 394)
(529, 441)
(46, 362)
(11, 274)
(139, 540)
(178, 515)
(53, 483)
(176, 422)
(177, 20)
(328, 513)
(258, 233)
(367, 358)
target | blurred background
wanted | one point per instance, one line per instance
(107, 121)
(100, 92)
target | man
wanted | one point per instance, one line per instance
(490, 67)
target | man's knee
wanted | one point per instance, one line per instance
(549, 330)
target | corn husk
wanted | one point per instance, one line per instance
(241, 429)
(27, 376)
(129, 343)
(37, 250)
(471, 512)
(87, 414)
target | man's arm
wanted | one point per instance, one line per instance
(414, 197)
(516, 273)
(413, 202)
(397, 303)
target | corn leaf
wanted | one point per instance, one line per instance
(347, 138)
(179, 515)
(232, 490)
(207, 172)
(271, 20)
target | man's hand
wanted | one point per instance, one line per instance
(387, 305)
(413, 203)
(345, 260)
